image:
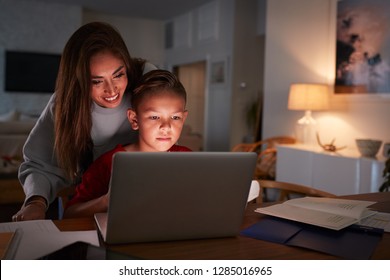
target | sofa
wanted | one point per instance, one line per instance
(13, 134)
(14, 130)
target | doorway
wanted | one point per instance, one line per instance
(193, 78)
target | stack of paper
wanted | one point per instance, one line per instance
(38, 238)
(332, 213)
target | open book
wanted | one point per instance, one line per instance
(330, 213)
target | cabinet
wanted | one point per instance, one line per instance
(340, 173)
(10, 190)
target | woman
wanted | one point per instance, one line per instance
(85, 118)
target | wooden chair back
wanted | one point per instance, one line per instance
(287, 189)
(263, 144)
(266, 154)
(246, 147)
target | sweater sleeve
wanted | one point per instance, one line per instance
(39, 174)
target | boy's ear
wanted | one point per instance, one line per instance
(132, 117)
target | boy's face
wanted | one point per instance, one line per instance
(159, 119)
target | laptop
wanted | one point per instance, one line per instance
(176, 196)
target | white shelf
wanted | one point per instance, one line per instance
(343, 172)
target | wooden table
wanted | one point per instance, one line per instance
(239, 247)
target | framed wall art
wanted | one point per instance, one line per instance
(363, 47)
(218, 72)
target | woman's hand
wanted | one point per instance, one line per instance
(33, 209)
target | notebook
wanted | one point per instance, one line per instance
(176, 196)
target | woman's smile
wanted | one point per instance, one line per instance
(112, 98)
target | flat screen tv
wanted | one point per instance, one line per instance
(30, 71)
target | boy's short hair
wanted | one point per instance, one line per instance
(154, 82)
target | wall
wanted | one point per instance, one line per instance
(300, 47)
(144, 37)
(33, 26)
(247, 70)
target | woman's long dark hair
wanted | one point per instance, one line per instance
(73, 144)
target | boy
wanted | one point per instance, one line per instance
(158, 113)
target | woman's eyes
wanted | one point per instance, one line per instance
(96, 82)
(116, 77)
(119, 75)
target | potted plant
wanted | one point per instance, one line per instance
(385, 187)
(251, 118)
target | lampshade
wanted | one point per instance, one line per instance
(308, 97)
(312, 97)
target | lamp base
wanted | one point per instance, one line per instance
(305, 129)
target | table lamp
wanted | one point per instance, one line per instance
(308, 97)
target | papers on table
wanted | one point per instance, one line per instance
(41, 237)
(27, 226)
(379, 220)
(332, 213)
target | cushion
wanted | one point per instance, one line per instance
(16, 127)
(12, 115)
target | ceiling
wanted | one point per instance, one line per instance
(151, 9)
